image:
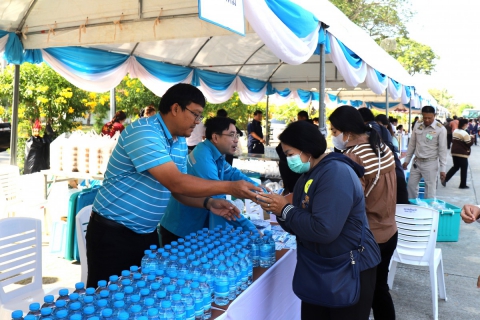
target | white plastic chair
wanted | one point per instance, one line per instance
(20, 258)
(81, 222)
(417, 238)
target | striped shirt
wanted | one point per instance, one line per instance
(130, 195)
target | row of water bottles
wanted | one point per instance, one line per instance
(178, 281)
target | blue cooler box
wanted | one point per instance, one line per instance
(448, 222)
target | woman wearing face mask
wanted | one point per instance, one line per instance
(349, 133)
(327, 215)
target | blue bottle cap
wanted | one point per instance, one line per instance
(147, 251)
(229, 264)
(60, 303)
(113, 278)
(181, 240)
(170, 288)
(60, 314)
(48, 298)
(166, 304)
(180, 282)
(167, 247)
(102, 283)
(90, 309)
(153, 247)
(133, 269)
(202, 278)
(207, 266)
(222, 268)
(73, 296)
(152, 312)
(159, 272)
(185, 290)
(128, 289)
(144, 292)
(90, 291)
(118, 304)
(149, 301)
(102, 303)
(136, 308)
(44, 311)
(123, 315)
(135, 298)
(161, 294)
(152, 256)
(113, 287)
(34, 306)
(176, 297)
(107, 312)
(155, 286)
(17, 314)
(188, 276)
(75, 306)
(118, 296)
(89, 299)
(141, 284)
(76, 317)
(103, 294)
(194, 284)
(126, 282)
(63, 292)
(166, 280)
(183, 261)
(125, 273)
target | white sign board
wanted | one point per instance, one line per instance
(227, 14)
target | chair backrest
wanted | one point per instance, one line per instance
(20, 257)
(10, 184)
(81, 222)
(417, 233)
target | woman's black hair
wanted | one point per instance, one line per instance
(305, 137)
(119, 116)
(382, 119)
(348, 119)
(462, 122)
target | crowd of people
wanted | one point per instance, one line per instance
(172, 169)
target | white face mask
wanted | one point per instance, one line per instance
(338, 142)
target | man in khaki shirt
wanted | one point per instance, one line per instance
(429, 145)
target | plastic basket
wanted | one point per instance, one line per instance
(448, 222)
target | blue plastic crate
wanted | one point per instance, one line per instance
(448, 222)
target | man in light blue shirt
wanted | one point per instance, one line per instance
(206, 161)
(148, 165)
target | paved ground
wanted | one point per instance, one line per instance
(411, 291)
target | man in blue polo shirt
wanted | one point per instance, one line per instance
(206, 161)
(148, 165)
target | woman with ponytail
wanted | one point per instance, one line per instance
(364, 145)
(116, 124)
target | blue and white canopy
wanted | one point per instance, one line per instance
(94, 44)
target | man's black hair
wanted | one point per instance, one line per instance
(222, 113)
(428, 109)
(257, 112)
(462, 122)
(217, 125)
(183, 94)
(303, 114)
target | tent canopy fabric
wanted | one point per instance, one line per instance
(94, 44)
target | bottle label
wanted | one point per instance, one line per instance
(198, 306)
(180, 316)
(207, 300)
(221, 288)
(190, 312)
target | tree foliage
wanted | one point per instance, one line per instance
(414, 56)
(387, 19)
(445, 99)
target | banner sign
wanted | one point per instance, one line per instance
(227, 14)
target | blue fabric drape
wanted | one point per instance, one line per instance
(300, 21)
(163, 71)
(332, 97)
(253, 85)
(86, 60)
(351, 56)
(13, 48)
(284, 93)
(323, 39)
(380, 76)
(356, 103)
(33, 56)
(408, 91)
(343, 102)
(304, 95)
(315, 96)
(214, 80)
(383, 105)
(396, 84)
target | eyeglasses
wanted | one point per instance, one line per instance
(234, 136)
(198, 117)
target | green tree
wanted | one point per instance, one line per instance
(383, 19)
(445, 99)
(414, 56)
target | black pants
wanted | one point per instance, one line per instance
(449, 140)
(256, 148)
(402, 193)
(382, 306)
(167, 236)
(111, 249)
(462, 164)
(359, 311)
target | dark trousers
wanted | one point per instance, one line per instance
(382, 305)
(462, 164)
(449, 140)
(111, 249)
(167, 236)
(402, 193)
(359, 311)
(256, 148)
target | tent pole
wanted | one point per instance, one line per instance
(267, 127)
(322, 121)
(410, 116)
(386, 102)
(14, 123)
(113, 104)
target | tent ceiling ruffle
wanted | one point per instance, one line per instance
(152, 42)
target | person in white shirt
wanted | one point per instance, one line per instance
(197, 136)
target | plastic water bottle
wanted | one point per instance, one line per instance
(73, 298)
(124, 275)
(256, 242)
(61, 314)
(106, 314)
(104, 294)
(238, 272)
(207, 297)
(144, 294)
(100, 305)
(144, 260)
(48, 301)
(118, 307)
(75, 308)
(88, 312)
(152, 314)
(160, 296)
(60, 305)
(102, 285)
(75, 317)
(63, 295)
(189, 303)
(123, 315)
(88, 301)
(135, 312)
(80, 289)
(196, 270)
(166, 311)
(178, 307)
(182, 269)
(17, 315)
(271, 242)
(221, 286)
(249, 265)
(148, 304)
(45, 313)
(232, 281)
(244, 267)
(198, 300)
(188, 280)
(152, 263)
(179, 286)
(264, 258)
(34, 310)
